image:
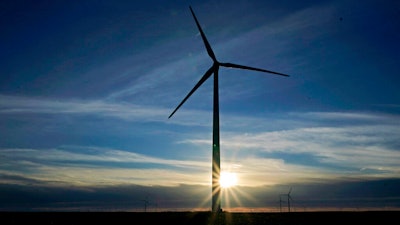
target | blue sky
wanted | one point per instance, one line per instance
(86, 89)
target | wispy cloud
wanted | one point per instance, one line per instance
(17, 104)
(368, 148)
(159, 84)
(131, 112)
(326, 144)
(97, 166)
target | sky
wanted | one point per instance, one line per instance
(86, 88)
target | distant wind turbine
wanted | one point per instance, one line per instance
(216, 189)
(146, 203)
(289, 198)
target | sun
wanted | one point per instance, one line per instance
(227, 179)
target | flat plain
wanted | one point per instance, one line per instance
(200, 218)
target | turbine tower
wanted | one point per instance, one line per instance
(289, 198)
(280, 202)
(216, 189)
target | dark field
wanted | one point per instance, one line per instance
(197, 218)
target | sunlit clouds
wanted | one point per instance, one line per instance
(322, 145)
(86, 166)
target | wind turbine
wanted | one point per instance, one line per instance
(216, 190)
(289, 198)
(146, 203)
(280, 202)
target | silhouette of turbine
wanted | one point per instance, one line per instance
(216, 190)
(146, 203)
(280, 202)
(289, 198)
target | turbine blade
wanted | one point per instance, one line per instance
(251, 68)
(203, 36)
(199, 83)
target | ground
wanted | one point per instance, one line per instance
(199, 218)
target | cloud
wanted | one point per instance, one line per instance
(19, 105)
(290, 146)
(88, 166)
(159, 84)
(16, 104)
(367, 147)
(311, 150)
